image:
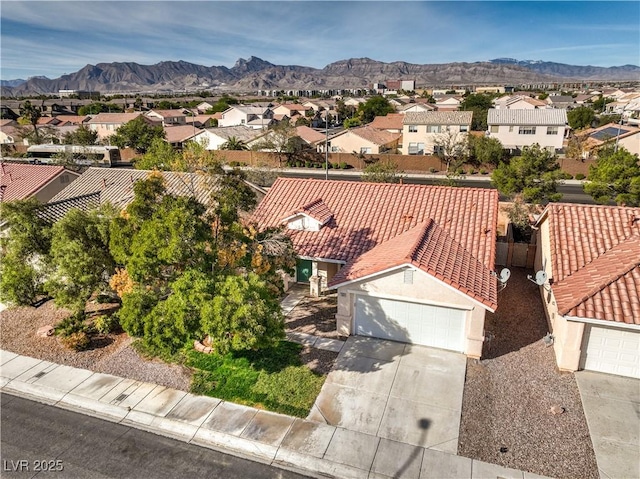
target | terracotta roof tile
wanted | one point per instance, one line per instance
(316, 209)
(430, 249)
(596, 261)
(19, 181)
(375, 136)
(367, 214)
(392, 121)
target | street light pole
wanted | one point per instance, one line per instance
(326, 145)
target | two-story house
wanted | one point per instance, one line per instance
(168, 117)
(106, 124)
(256, 117)
(519, 128)
(422, 131)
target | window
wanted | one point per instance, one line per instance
(365, 149)
(552, 130)
(242, 121)
(494, 128)
(433, 128)
(413, 128)
(511, 129)
(416, 148)
(527, 130)
(464, 128)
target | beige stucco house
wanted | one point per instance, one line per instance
(410, 263)
(519, 128)
(364, 139)
(423, 132)
(106, 124)
(19, 181)
(588, 268)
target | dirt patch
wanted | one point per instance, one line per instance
(508, 397)
(315, 316)
(318, 360)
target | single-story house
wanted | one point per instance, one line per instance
(178, 135)
(519, 128)
(214, 138)
(364, 139)
(410, 263)
(19, 181)
(391, 122)
(588, 263)
(625, 136)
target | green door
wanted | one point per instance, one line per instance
(303, 270)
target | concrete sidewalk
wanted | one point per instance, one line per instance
(304, 446)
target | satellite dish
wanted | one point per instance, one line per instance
(541, 278)
(505, 274)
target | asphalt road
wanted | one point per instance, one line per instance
(47, 442)
(570, 193)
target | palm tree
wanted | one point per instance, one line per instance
(234, 143)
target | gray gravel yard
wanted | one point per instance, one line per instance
(508, 398)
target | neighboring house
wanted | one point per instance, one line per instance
(116, 185)
(8, 135)
(178, 135)
(214, 138)
(69, 120)
(310, 136)
(561, 102)
(411, 263)
(422, 132)
(517, 102)
(251, 116)
(204, 121)
(417, 107)
(585, 98)
(448, 103)
(519, 128)
(364, 140)
(292, 110)
(168, 117)
(590, 256)
(106, 124)
(204, 107)
(391, 122)
(624, 136)
(20, 181)
(48, 121)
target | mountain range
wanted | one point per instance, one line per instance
(254, 74)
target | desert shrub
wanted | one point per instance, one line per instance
(344, 165)
(78, 341)
(580, 176)
(105, 324)
(432, 170)
(473, 171)
(483, 171)
(72, 324)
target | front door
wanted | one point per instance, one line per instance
(304, 270)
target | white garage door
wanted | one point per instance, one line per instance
(613, 351)
(410, 322)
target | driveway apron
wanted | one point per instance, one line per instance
(400, 392)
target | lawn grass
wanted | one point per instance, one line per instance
(274, 379)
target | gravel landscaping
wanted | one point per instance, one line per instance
(518, 410)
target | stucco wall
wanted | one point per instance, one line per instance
(511, 138)
(43, 195)
(424, 289)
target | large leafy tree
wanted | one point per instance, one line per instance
(81, 136)
(580, 117)
(23, 251)
(80, 256)
(160, 156)
(374, 106)
(479, 104)
(615, 177)
(29, 115)
(534, 174)
(99, 107)
(485, 151)
(137, 134)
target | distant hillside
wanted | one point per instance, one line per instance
(255, 73)
(624, 72)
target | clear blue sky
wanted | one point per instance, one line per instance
(56, 37)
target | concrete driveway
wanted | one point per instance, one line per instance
(612, 408)
(401, 392)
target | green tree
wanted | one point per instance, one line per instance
(605, 119)
(80, 256)
(160, 156)
(99, 107)
(81, 136)
(23, 251)
(485, 150)
(479, 104)
(615, 177)
(601, 102)
(29, 115)
(534, 175)
(137, 134)
(382, 172)
(374, 106)
(581, 117)
(234, 143)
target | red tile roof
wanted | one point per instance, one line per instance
(309, 134)
(393, 121)
(367, 214)
(430, 249)
(19, 181)
(316, 209)
(596, 261)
